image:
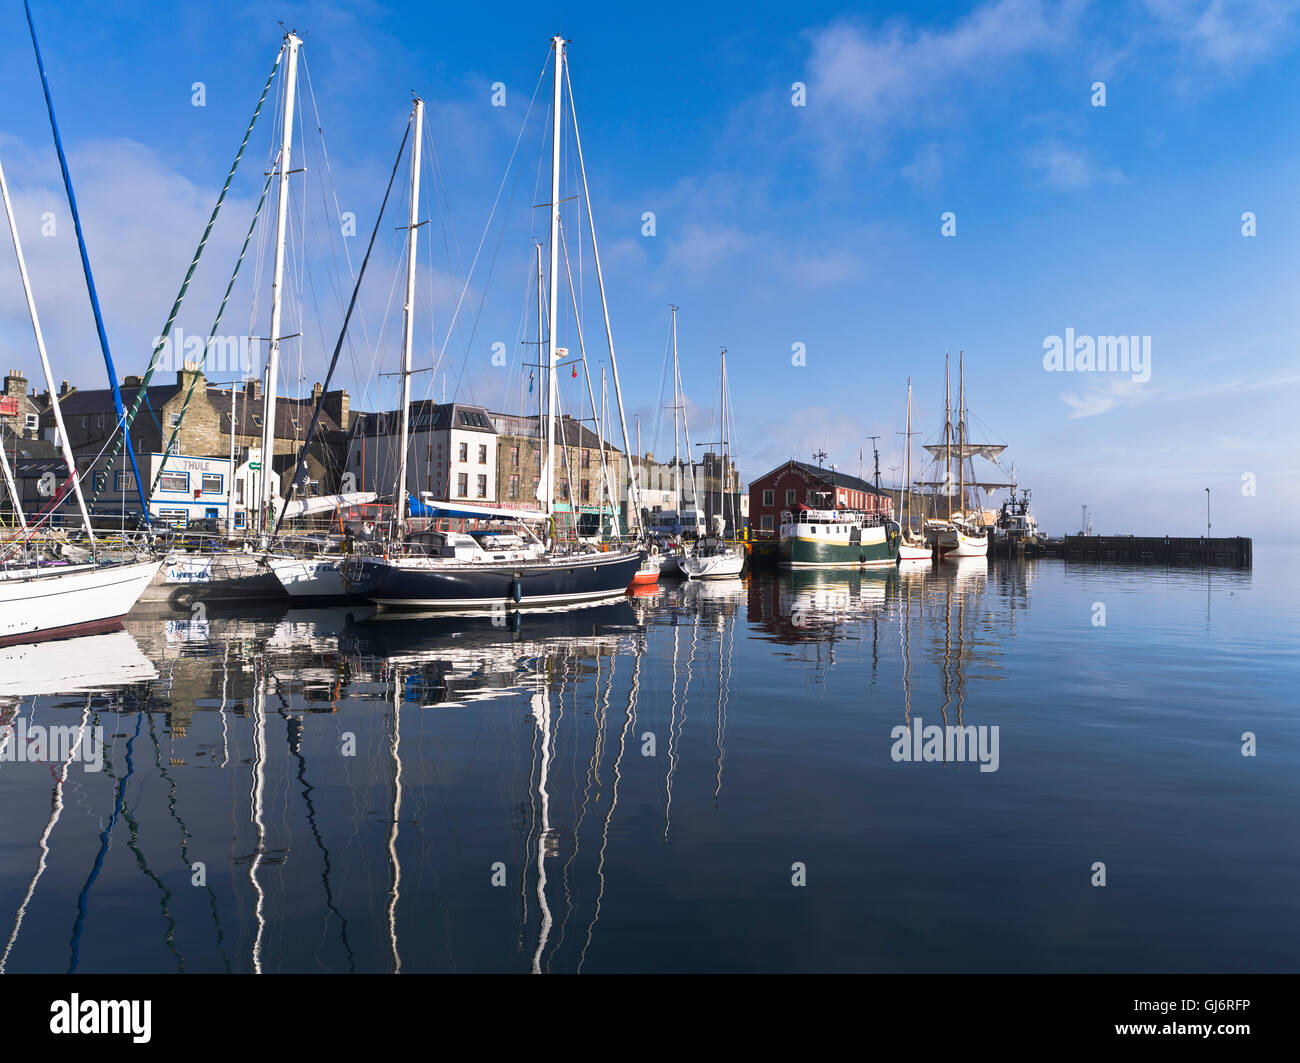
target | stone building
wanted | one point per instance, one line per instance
(578, 477)
(20, 410)
(205, 431)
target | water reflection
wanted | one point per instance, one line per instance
(344, 790)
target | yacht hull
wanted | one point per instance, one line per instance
(79, 600)
(421, 584)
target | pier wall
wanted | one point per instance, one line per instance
(1235, 552)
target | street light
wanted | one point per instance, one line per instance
(1207, 512)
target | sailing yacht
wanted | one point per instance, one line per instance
(713, 557)
(912, 546)
(502, 562)
(42, 598)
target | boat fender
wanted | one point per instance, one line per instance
(516, 590)
(514, 621)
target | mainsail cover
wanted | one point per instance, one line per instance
(304, 507)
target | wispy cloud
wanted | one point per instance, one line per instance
(1228, 33)
(1069, 169)
(877, 74)
(1095, 399)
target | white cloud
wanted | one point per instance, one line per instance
(887, 73)
(1068, 169)
(1228, 33)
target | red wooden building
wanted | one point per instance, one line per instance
(798, 483)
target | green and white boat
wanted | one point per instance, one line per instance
(837, 538)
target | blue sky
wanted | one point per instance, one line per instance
(775, 225)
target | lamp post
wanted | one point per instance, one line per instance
(1207, 512)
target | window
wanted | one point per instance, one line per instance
(172, 516)
(239, 492)
(586, 459)
(125, 481)
(85, 423)
(482, 487)
(514, 487)
(99, 422)
(174, 481)
(482, 454)
(464, 452)
(514, 457)
(175, 420)
(789, 496)
(239, 518)
(33, 422)
(462, 484)
(586, 490)
(769, 496)
(766, 524)
(213, 483)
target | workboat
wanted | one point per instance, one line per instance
(837, 538)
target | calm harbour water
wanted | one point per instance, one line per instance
(636, 787)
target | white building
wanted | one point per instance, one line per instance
(189, 488)
(452, 453)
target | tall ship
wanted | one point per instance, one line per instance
(964, 530)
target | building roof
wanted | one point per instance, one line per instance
(248, 415)
(248, 410)
(425, 416)
(833, 477)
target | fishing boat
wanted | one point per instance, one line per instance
(43, 597)
(713, 557)
(837, 538)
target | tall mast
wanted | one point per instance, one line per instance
(961, 429)
(552, 308)
(905, 499)
(677, 411)
(604, 305)
(543, 470)
(613, 502)
(230, 485)
(118, 408)
(722, 475)
(408, 320)
(686, 431)
(947, 433)
(273, 341)
(68, 459)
